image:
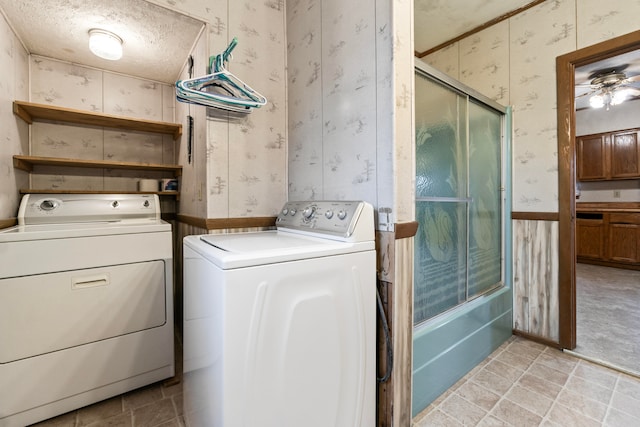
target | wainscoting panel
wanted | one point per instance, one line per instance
(403, 332)
(535, 278)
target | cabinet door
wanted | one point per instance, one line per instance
(624, 237)
(590, 238)
(625, 155)
(592, 157)
(623, 242)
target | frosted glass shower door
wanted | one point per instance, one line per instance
(458, 205)
(462, 277)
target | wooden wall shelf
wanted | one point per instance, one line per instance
(29, 112)
(28, 162)
(55, 191)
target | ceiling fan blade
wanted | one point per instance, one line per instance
(591, 92)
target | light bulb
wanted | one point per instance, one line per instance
(105, 44)
(619, 96)
(596, 101)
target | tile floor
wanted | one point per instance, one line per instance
(157, 405)
(521, 384)
(524, 383)
(607, 315)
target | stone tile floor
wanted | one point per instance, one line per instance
(521, 384)
(524, 383)
(157, 405)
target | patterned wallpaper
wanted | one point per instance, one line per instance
(74, 86)
(14, 75)
(238, 167)
(239, 164)
(513, 62)
(347, 61)
(343, 123)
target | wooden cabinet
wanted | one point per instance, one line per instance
(30, 112)
(590, 235)
(591, 155)
(624, 237)
(608, 156)
(608, 237)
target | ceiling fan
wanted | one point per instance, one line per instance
(610, 87)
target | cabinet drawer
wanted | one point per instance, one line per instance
(624, 218)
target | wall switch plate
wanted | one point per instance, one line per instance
(616, 194)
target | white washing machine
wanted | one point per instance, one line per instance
(280, 326)
(86, 302)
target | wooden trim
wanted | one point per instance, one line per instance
(535, 216)
(537, 339)
(405, 230)
(479, 28)
(565, 72)
(220, 224)
(8, 222)
(193, 221)
(224, 223)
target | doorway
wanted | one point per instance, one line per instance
(565, 68)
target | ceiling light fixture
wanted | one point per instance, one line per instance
(608, 90)
(105, 44)
(608, 97)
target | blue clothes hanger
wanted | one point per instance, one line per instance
(220, 88)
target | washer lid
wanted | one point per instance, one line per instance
(229, 251)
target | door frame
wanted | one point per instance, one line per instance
(565, 81)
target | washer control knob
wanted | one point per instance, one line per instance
(115, 203)
(48, 205)
(146, 204)
(328, 214)
(285, 211)
(342, 214)
(308, 212)
(293, 211)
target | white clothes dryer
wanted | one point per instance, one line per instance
(86, 302)
(280, 325)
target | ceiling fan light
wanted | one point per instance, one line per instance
(596, 101)
(105, 44)
(619, 96)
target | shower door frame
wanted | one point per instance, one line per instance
(439, 358)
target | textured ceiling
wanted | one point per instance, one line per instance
(156, 40)
(438, 21)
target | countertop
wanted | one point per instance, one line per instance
(630, 207)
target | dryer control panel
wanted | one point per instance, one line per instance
(69, 208)
(338, 219)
